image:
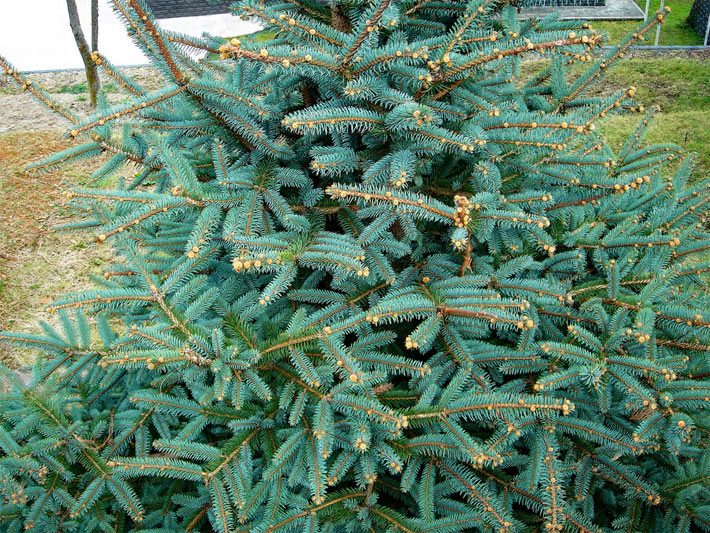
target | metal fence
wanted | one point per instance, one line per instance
(564, 3)
(699, 19)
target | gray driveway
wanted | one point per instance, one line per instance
(35, 35)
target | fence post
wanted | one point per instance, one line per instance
(658, 27)
(645, 12)
(707, 32)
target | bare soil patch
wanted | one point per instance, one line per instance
(21, 112)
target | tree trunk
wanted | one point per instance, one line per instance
(92, 74)
(94, 25)
(339, 20)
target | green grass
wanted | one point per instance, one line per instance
(675, 84)
(81, 88)
(685, 128)
(675, 31)
(75, 88)
(680, 88)
(258, 37)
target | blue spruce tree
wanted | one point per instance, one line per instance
(371, 276)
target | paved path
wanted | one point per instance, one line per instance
(613, 10)
(35, 34)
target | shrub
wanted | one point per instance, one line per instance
(369, 277)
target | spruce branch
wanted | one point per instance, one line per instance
(369, 277)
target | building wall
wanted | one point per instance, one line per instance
(164, 9)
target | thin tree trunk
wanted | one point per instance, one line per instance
(92, 74)
(94, 25)
(339, 20)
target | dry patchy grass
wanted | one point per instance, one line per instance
(36, 263)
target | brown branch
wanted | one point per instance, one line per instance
(147, 21)
(369, 28)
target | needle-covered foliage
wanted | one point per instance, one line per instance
(371, 277)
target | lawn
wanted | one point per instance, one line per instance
(675, 31)
(681, 87)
